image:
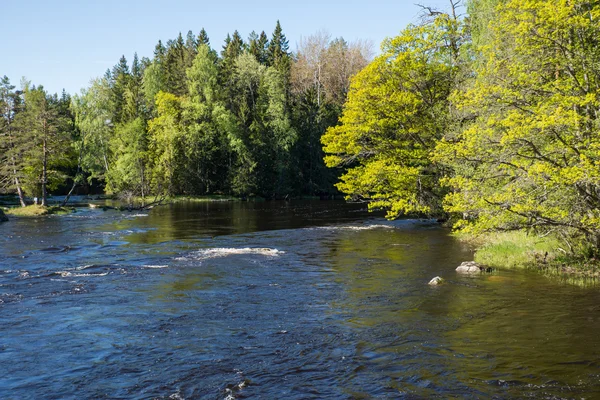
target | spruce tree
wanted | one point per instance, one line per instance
(263, 45)
(232, 49)
(278, 51)
(175, 66)
(119, 81)
(203, 38)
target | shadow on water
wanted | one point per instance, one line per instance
(278, 300)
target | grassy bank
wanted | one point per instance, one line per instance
(37, 211)
(518, 249)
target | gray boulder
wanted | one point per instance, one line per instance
(471, 267)
(436, 281)
(3, 217)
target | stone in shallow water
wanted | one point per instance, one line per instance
(471, 267)
(436, 281)
(3, 217)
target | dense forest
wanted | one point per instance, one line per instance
(245, 122)
(486, 114)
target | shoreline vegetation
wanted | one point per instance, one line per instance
(34, 210)
(516, 250)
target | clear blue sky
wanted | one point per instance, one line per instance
(64, 43)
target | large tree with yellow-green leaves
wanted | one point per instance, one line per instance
(530, 157)
(397, 110)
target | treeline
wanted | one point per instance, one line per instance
(244, 121)
(490, 119)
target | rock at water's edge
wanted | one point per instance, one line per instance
(3, 217)
(471, 267)
(436, 281)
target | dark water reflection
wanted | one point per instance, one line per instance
(277, 300)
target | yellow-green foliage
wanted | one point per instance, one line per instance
(397, 109)
(36, 211)
(166, 138)
(530, 157)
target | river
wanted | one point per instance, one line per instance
(277, 300)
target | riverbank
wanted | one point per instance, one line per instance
(520, 250)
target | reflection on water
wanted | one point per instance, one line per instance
(277, 300)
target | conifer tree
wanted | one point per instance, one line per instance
(46, 141)
(278, 55)
(120, 77)
(11, 157)
(203, 38)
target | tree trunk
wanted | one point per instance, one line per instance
(14, 165)
(19, 190)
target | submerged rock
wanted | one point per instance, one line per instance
(471, 267)
(436, 281)
(3, 217)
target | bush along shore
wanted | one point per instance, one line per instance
(526, 250)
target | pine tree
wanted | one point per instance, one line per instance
(11, 160)
(46, 134)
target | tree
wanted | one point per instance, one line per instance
(203, 38)
(165, 143)
(278, 55)
(396, 111)
(120, 78)
(45, 136)
(205, 121)
(11, 146)
(529, 156)
(93, 112)
(128, 170)
(233, 48)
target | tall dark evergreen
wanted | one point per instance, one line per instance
(232, 49)
(278, 55)
(175, 66)
(258, 45)
(203, 38)
(120, 77)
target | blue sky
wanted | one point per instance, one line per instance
(64, 43)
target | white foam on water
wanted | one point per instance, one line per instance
(139, 215)
(66, 274)
(155, 266)
(357, 227)
(227, 251)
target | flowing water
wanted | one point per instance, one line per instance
(295, 300)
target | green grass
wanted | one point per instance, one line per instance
(37, 211)
(518, 249)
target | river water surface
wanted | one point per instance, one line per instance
(295, 300)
